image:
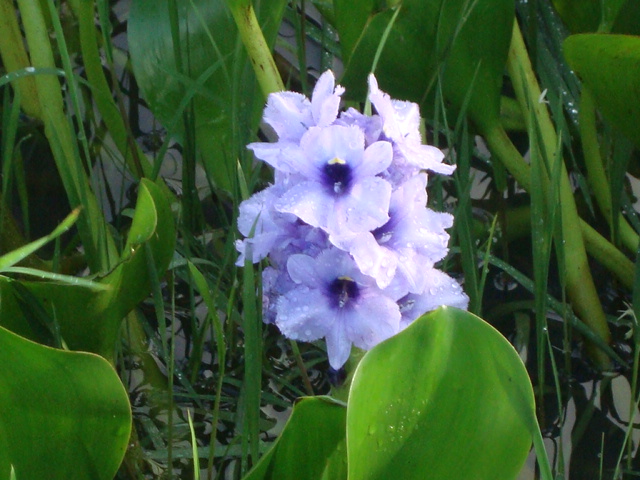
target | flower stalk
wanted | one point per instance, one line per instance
(259, 53)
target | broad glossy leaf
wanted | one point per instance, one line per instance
(63, 415)
(216, 74)
(446, 398)
(609, 66)
(465, 41)
(311, 446)
(86, 318)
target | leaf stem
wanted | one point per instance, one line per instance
(257, 48)
(596, 173)
(14, 57)
(96, 240)
(580, 286)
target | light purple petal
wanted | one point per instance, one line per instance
(289, 114)
(325, 101)
(367, 207)
(302, 269)
(260, 246)
(338, 346)
(411, 268)
(410, 194)
(254, 211)
(377, 158)
(440, 289)
(325, 144)
(401, 122)
(373, 320)
(275, 284)
(280, 155)
(333, 262)
(407, 117)
(303, 314)
(370, 125)
(372, 259)
(425, 157)
(307, 201)
(383, 105)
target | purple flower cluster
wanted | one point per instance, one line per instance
(350, 242)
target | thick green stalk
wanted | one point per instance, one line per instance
(596, 173)
(579, 282)
(519, 224)
(608, 255)
(257, 48)
(97, 242)
(14, 57)
(598, 246)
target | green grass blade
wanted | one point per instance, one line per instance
(10, 259)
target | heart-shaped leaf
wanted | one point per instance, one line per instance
(446, 398)
(466, 42)
(63, 415)
(609, 66)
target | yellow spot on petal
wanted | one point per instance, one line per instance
(344, 277)
(336, 160)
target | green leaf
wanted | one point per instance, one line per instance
(10, 259)
(578, 15)
(216, 75)
(609, 66)
(446, 398)
(63, 415)
(466, 42)
(627, 19)
(603, 15)
(311, 446)
(89, 319)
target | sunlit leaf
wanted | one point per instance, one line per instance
(311, 446)
(609, 66)
(446, 398)
(63, 415)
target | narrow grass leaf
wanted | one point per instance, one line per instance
(10, 259)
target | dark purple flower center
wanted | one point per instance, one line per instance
(343, 289)
(337, 174)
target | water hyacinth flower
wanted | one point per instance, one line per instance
(291, 114)
(352, 246)
(335, 300)
(339, 190)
